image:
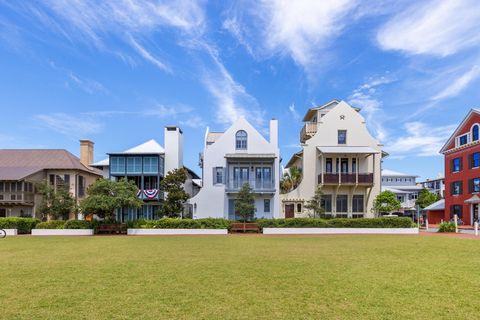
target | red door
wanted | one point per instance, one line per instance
(289, 210)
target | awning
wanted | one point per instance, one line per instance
(251, 155)
(348, 149)
(473, 199)
(439, 205)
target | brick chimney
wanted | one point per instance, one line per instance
(86, 152)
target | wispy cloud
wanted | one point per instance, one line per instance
(459, 84)
(294, 112)
(70, 125)
(148, 56)
(439, 28)
(419, 139)
(88, 85)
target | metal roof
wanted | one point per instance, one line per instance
(439, 205)
(251, 155)
(149, 147)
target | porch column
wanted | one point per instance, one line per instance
(321, 166)
(478, 212)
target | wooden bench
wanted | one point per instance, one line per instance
(244, 227)
(116, 228)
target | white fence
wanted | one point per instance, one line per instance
(164, 232)
(340, 230)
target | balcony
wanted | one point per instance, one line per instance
(258, 186)
(346, 178)
(308, 131)
(25, 198)
(150, 194)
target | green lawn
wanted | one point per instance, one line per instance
(239, 277)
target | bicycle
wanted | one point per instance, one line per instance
(3, 233)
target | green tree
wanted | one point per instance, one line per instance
(426, 198)
(104, 196)
(315, 204)
(56, 203)
(176, 197)
(291, 179)
(386, 201)
(245, 203)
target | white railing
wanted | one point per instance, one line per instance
(256, 185)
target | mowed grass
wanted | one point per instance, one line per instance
(239, 277)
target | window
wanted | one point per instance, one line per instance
(117, 165)
(354, 165)
(413, 196)
(3, 213)
(134, 165)
(456, 165)
(150, 165)
(342, 136)
(81, 186)
(463, 140)
(342, 203)
(455, 209)
(344, 165)
(326, 202)
(475, 160)
(52, 179)
(357, 203)
(456, 188)
(328, 165)
(475, 132)
(263, 178)
(150, 182)
(241, 140)
(218, 175)
(266, 205)
(474, 185)
(299, 207)
(1, 186)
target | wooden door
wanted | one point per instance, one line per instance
(289, 210)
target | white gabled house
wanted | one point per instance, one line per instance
(339, 155)
(232, 158)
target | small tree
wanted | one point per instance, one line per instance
(56, 203)
(386, 201)
(245, 203)
(176, 198)
(104, 196)
(426, 198)
(291, 179)
(315, 204)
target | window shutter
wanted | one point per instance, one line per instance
(461, 164)
(451, 188)
(461, 187)
(224, 175)
(470, 185)
(470, 161)
(214, 175)
(451, 165)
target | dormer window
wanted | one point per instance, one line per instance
(475, 133)
(241, 140)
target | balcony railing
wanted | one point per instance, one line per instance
(16, 197)
(346, 178)
(256, 185)
(308, 131)
(150, 194)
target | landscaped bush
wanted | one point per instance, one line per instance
(23, 225)
(52, 224)
(173, 223)
(77, 224)
(336, 223)
(447, 227)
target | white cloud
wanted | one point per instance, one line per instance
(194, 121)
(234, 27)
(294, 112)
(459, 84)
(419, 139)
(432, 27)
(162, 111)
(88, 85)
(148, 56)
(73, 126)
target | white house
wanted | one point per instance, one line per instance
(405, 188)
(339, 155)
(232, 158)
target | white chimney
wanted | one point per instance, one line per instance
(173, 148)
(274, 132)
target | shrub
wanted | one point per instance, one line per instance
(336, 223)
(52, 224)
(78, 224)
(23, 225)
(447, 227)
(174, 223)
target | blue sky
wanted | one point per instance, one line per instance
(118, 71)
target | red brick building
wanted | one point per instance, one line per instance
(462, 172)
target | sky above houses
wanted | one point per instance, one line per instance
(117, 72)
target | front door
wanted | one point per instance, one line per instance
(289, 211)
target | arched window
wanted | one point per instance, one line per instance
(475, 133)
(241, 140)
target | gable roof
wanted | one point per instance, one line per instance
(460, 126)
(213, 136)
(17, 164)
(310, 112)
(386, 173)
(149, 147)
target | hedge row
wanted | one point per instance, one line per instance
(22, 224)
(174, 223)
(400, 222)
(62, 224)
